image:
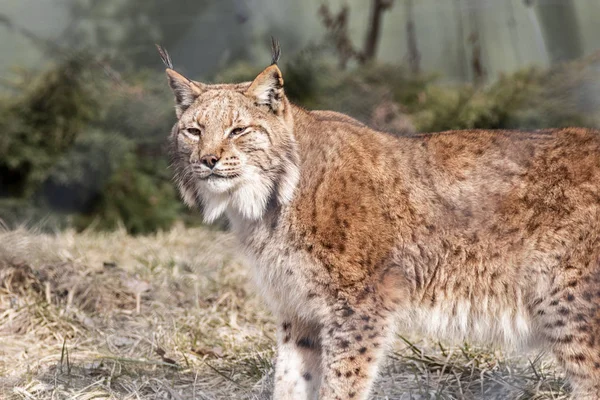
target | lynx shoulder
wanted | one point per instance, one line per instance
(354, 234)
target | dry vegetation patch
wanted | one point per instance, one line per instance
(174, 316)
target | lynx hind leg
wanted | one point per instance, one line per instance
(298, 367)
(570, 324)
(353, 342)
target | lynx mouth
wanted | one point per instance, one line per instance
(215, 174)
(220, 176)
(221, 183)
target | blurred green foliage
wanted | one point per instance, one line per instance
(138, 194)
(527, 99)
(82, 151)
(85, 150)
(532, 98)
(41, 123)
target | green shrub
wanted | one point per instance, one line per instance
(72, 145)
(139, 195)
(41, 122)
(78, 178)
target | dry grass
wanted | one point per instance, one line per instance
(173, 316)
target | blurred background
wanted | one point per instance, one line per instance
(85, 108)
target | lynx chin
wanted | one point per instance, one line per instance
(355, 234)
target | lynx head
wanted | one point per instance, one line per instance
(233, 146)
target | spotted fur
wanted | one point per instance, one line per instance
(354, 234)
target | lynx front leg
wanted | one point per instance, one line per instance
(353, 347)
(298, 368)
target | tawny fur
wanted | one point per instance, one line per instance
(353, 233)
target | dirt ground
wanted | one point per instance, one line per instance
(174, 316)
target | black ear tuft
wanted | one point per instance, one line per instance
(164, 56)
(275, 51)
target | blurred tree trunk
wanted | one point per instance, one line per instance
(378, 7)
(462, 52)
(560, 28)
(537, 30)
(514, 32)
(337, 28)
(475, 41)
(414, 57)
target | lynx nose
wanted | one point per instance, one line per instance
(209, 160)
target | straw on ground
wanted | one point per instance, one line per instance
(174, 316)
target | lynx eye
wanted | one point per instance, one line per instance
(193, 133)
(237, 131)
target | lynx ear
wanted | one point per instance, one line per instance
(267, 89)
(185, 90)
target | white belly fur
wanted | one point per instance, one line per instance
(484, 322)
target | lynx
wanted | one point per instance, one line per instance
(354, 234)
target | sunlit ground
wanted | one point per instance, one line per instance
(174, 316)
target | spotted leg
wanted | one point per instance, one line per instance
(353, 347)
(298, 368)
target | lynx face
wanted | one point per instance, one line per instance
(233, 146)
